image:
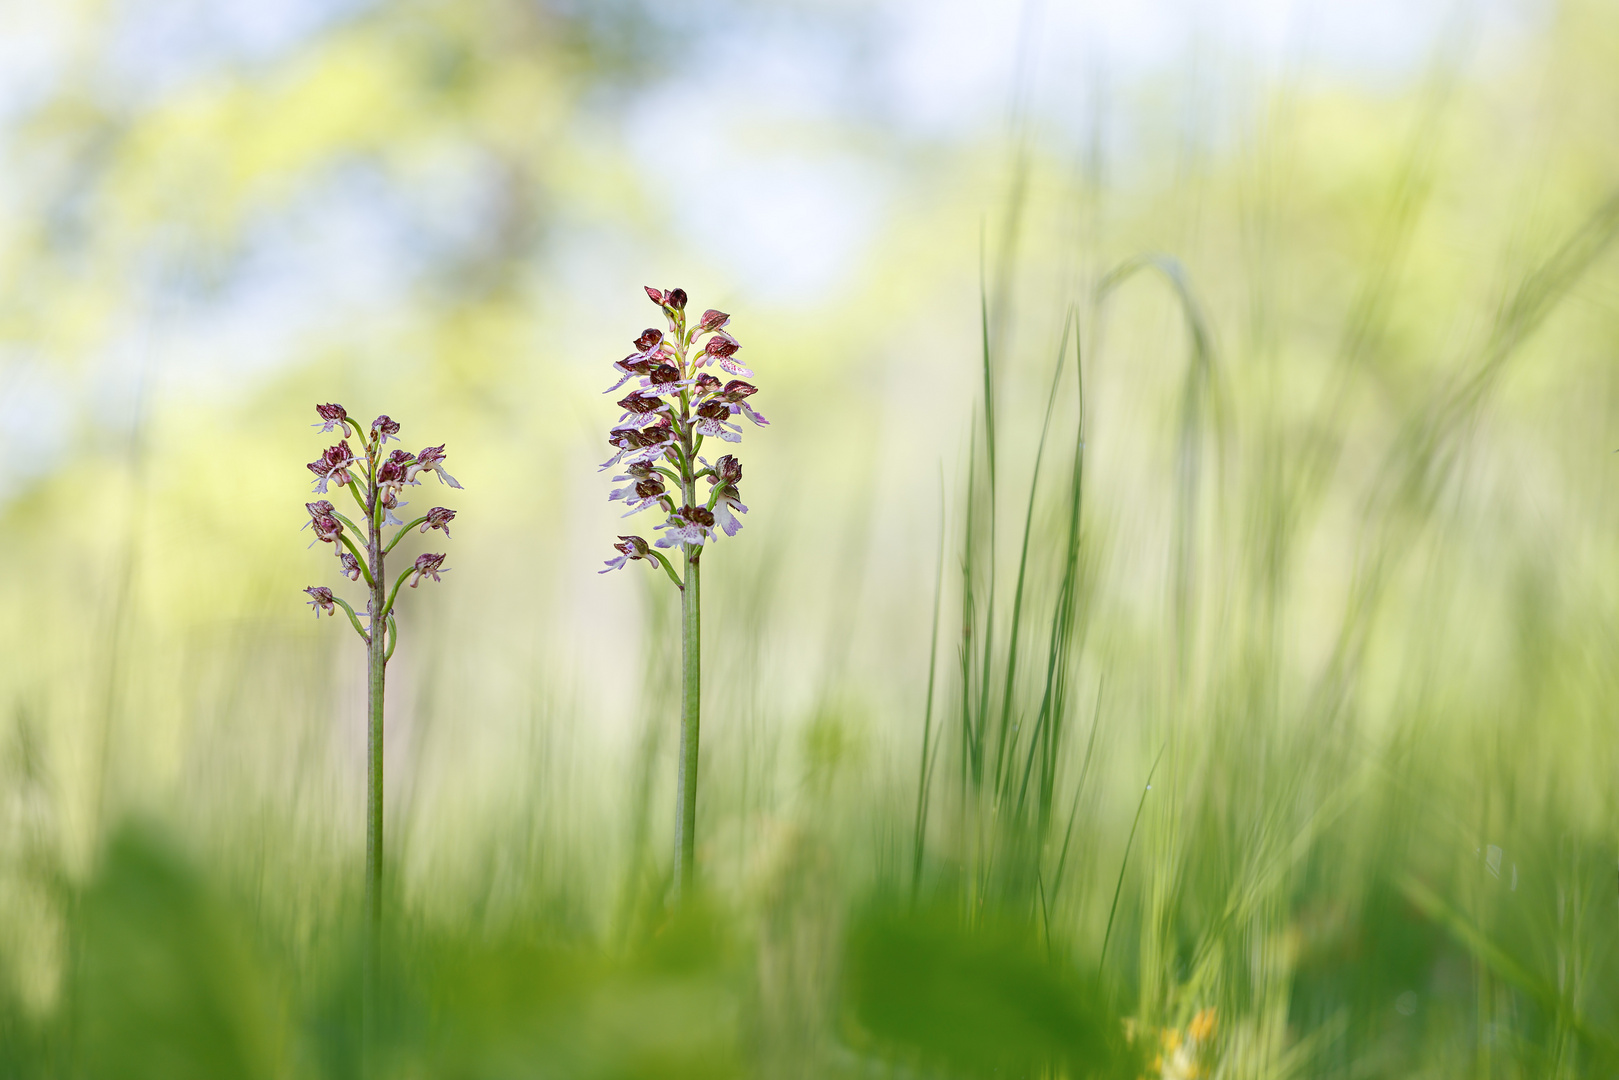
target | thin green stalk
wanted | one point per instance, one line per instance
(920, 829)
(1022, 569)
(690, 701)
(400, 535)
(691, 650)
(1125, 861)
(376, 670)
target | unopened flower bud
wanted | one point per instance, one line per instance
(438, 518)
(675, 298)
(320, 598)
(655, 294)
(712, 320)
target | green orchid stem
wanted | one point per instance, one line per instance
(400, 535)
(690, 702)
(376, 672)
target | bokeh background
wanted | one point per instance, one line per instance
(1341, 284)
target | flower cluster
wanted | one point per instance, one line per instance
(377, 479)
(676, 402)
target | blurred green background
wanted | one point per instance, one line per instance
(1331, 569)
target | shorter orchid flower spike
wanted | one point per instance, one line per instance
(438, 518)
(350, 565)
(431, 460)
(629, 547)
(385, 428)
(428, 566)
(331, 416)
(321, 600)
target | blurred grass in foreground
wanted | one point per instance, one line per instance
(1269, 729)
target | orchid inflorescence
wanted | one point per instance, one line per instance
(675, 405)
(376, 479)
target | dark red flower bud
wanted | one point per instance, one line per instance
(650, 339)
(675, 298)
(721, 345)
(713, 320)
(655, 294)
(439, 518)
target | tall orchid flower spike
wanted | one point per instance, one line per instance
(375, 478)
(673, 406)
